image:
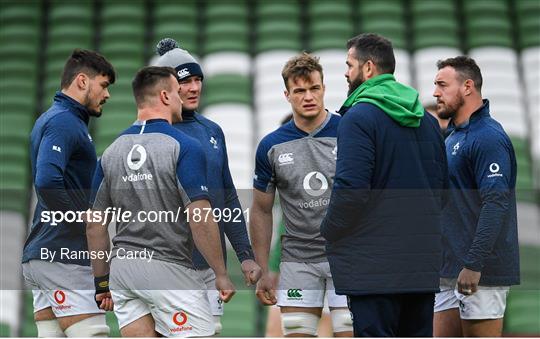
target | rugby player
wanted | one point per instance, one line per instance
(298, 159)
(164, 297)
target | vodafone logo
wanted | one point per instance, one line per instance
(59, 297)
(179, 318)
(494, 169)
(321, 178)
(136, 157)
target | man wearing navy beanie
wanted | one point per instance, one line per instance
(220, 185)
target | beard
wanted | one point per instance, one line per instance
(448, 110)
(355, 83)
(88, 102)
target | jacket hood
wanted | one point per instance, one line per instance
(399, 101)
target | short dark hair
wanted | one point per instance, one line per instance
(88, 62)
(374, 47)
(465, 67)
(301, 66)
(146, 80)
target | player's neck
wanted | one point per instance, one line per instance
(309, 125)
(469, 107)
(75, 95)
(150, 113)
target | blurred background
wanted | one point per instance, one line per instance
(242, 46)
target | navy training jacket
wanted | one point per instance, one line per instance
(480, 220)
(383, 225)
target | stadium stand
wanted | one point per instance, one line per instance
(177, 20)
(227, 94)
(122, 42)
(327, 40)
(243, 46)
(388, 18)
(19, 64)
(434, 36)
(70, 25)
(279, 34)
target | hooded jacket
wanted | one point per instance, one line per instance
(383, 222)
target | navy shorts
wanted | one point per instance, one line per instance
(392, 315)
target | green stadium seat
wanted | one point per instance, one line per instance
(179, 21)
(62, 12)
(277, 43)
(338, 9)
(340, 28)
(16, 104)
(230, 10)
(484, 40)
(435, 40)
(226, 36)
(240, 314)
(227, 88)
(119, 11)
(215, 44)
(392, 30)
(283, 11)
(227, 28)
(15, 127)
(20, 11)
(18, 33)
(177, 11)
(5, 330)
(382, 9)
(523, 303)
(528, 25)
(428, 8)
(485, 7)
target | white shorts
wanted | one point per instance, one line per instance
(53, 285)
(306, 284)
(176, 312)
(216, 304)
(488, 302)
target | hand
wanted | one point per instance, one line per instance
(252, 272)
(104, 301)
(225, 287)
(265, 290)
(467, 281)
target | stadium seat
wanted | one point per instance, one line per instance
(70, 26)
(270, 103)
(425, 64)
(237, 124)
(122, 43)
(502, 86)
(385, 17)
(278, 26)
(226, 28)
(227, 88)
(523, 303)
(228, 63)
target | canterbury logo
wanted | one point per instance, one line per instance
(294, 293)
(183, 73)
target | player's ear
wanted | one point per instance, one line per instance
(164, 97)
(286, 93)
(82, 81)
(468, 86)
